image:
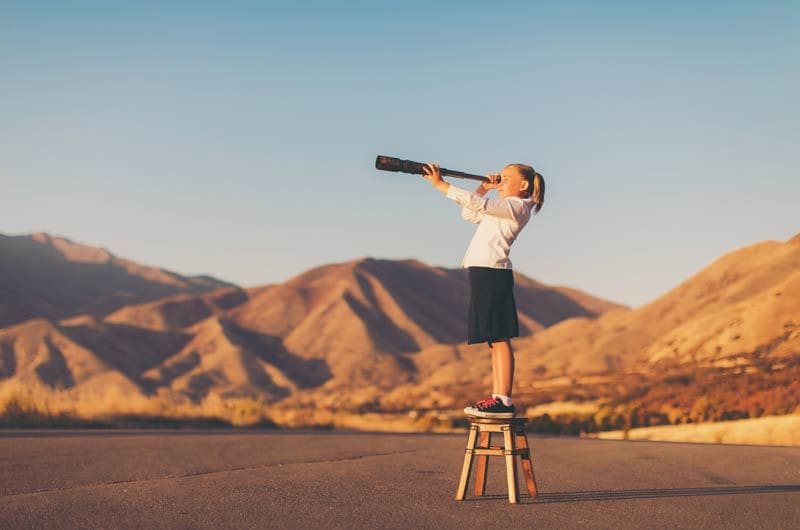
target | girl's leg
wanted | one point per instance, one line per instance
(496, 386)
(503, 366)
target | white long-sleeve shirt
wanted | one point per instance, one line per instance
(499, 223)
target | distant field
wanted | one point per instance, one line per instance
(36, 406)
(769, 430)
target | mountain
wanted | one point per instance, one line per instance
(365, 317)
(38, 351)
(743, 307)
(745, 301)
(52, 277)
(178, 311)
(352, 327)
(217, 359)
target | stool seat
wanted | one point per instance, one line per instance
(515, 443)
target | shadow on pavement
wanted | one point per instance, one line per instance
(618, 495)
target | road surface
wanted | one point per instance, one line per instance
(302, 479)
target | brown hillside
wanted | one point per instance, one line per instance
(178, 311)
(404, 305)
(365, 317)
(730, 304)
(52, 277)
(217, 360)
(349, 326)
(341, 326)
(745, 302)
(37, 351)
(130, 349)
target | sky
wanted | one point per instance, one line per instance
(238, 139)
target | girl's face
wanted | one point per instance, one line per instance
(512, 183)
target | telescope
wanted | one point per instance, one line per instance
(387, 163)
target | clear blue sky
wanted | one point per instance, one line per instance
(238, 139)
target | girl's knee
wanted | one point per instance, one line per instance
(501, 343)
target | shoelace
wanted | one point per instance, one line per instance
(487, 402)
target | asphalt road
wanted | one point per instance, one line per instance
(273, 479)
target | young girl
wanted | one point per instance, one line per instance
(492, 309)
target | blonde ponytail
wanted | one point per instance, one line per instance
(538, 191)
(535, 184)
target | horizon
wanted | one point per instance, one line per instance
(377, 258)
(238, 141)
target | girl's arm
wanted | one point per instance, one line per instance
(507, 208)
(471, 215)
(504, 208)
(434, 176)
(484, 187)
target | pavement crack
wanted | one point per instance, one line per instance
(201, 473)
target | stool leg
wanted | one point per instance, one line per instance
(527, 463)
(511, 464)
(469, 453)
(483, 464)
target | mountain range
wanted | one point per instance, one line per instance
(386, 334)
(83, 319)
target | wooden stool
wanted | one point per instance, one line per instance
(515, 442)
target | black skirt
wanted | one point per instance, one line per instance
(492, 309)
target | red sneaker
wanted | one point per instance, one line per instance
(491, 408)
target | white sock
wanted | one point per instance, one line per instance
(505, 399)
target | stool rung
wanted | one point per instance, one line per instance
(498, 452)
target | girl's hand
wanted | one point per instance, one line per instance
(432, 173)
(494, 181)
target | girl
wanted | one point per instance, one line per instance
(492, 309)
